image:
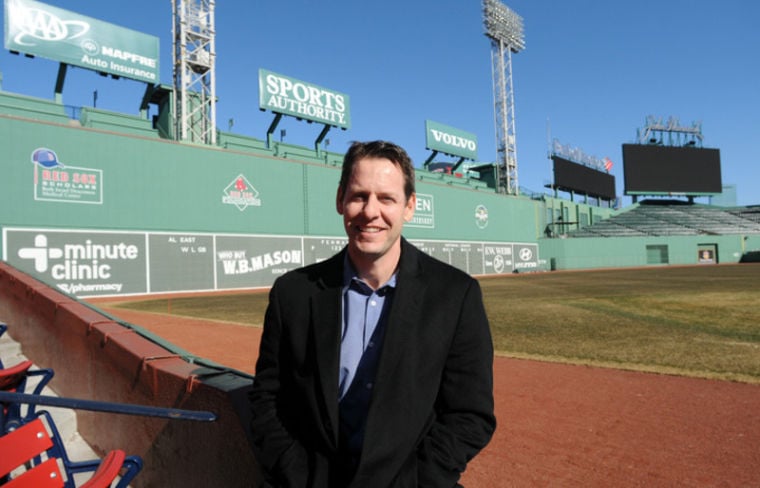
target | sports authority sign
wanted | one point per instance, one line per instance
(285, 95)
(451, 141)
(42, 30)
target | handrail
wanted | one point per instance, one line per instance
(99, 406)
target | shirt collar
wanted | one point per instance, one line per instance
(350, 275)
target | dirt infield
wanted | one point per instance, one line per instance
(568, 426)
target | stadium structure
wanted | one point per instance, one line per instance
(125, 204)
(97, 203)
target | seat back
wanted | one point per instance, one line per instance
(108, 470)
(23, 444)
(11, 377)
(45, 475)
(14, 378)
(32, 445)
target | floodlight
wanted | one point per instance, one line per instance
(505, 29)
(503, 24)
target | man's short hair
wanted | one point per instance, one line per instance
(378, 149)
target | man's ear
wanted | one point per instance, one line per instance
(411, 205)
(339, 201)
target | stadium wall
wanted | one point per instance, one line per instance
(108, 180)
(614, 252)
(203, 218)
(95, 357)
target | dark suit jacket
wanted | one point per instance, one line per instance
(432, 404)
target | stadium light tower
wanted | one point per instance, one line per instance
(505, 29)
(194, 70)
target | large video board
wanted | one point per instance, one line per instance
(577, 178)
(653, 170)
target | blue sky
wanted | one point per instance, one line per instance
(591, 73)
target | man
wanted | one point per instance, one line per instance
(375, 367)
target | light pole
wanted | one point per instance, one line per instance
(505, 29)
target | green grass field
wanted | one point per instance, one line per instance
(699, 321)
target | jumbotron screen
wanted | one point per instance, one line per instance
(651, 170)
(577, 178)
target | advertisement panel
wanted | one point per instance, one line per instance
(91, 263)
(254, 261)
(497, 258)
(81, 263)
(424, 212)
(467, 256)
(451, 141)
(285, 95)
(49, 32)
(181, 262)
(526, 257)
(317, 249)
(55, 181)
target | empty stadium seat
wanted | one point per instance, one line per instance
(15, 379)
(30, 456)
(669, 219)
(3, 328)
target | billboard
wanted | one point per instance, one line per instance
(424, 212)
(86, 262)
(284, 95)
(581, 179)
(81, 263)
(671, 170)
(49, 32)
(451, 141)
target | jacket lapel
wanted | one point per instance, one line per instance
(405, 314)
(326, 331)
(406, 310)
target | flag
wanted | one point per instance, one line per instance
(607, 164)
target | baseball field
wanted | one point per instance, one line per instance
(701, 321)
(625, 377)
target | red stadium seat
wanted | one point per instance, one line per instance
(32, 446)
(14, 379)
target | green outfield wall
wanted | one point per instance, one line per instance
(101, 203)
(614, 252)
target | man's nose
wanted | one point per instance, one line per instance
(371, 206)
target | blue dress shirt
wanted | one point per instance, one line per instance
(365, 312)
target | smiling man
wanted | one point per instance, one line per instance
(375, 367)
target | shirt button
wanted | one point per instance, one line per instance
(373, 302)
(371, 344)
(369, 386)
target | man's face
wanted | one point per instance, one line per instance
(374, 210)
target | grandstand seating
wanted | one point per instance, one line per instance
(32, 451)
(15, 378)
(29, 457)
(3, 328)
(671, 218)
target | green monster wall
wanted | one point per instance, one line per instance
(103, 205)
